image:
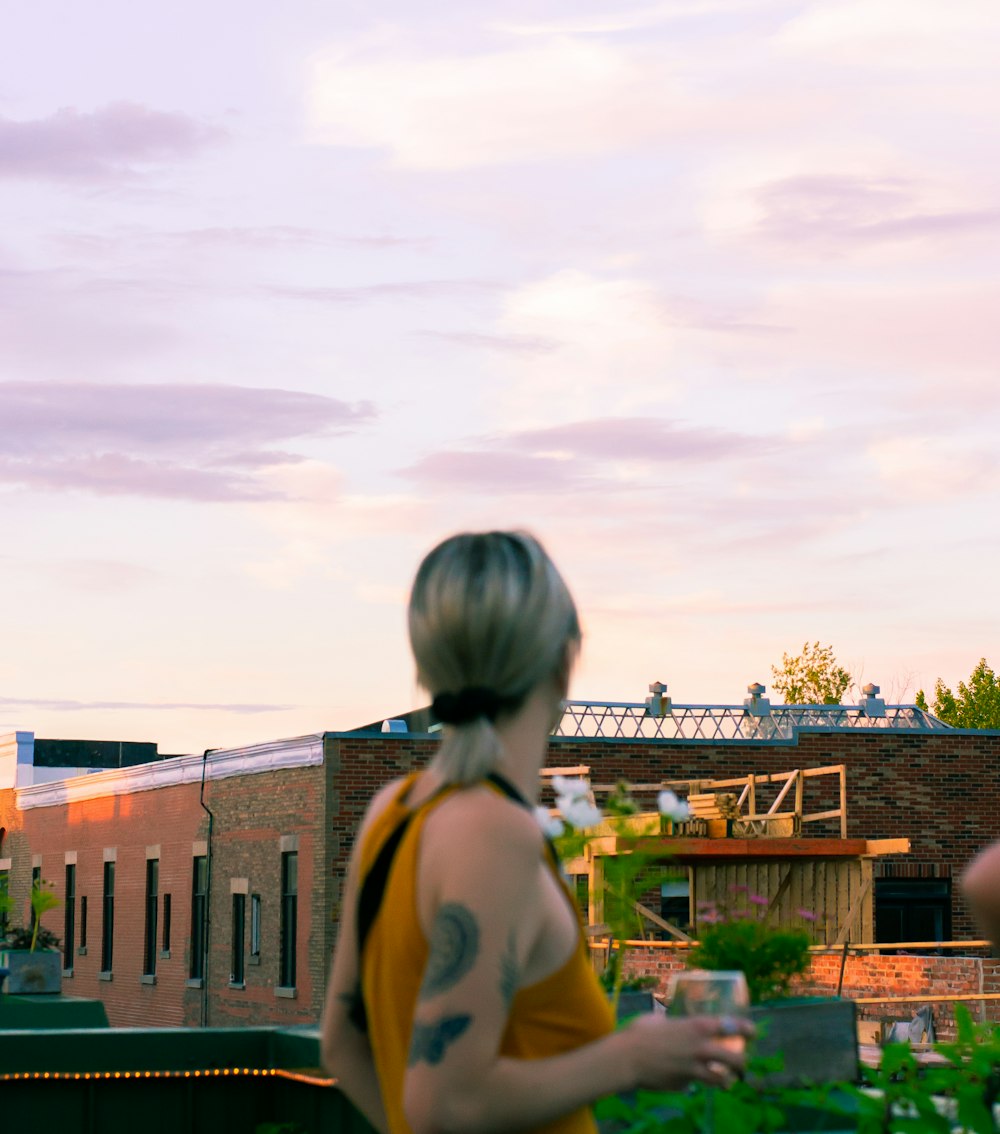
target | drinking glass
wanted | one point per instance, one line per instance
(696, 992)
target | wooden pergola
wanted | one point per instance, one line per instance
(761, 852)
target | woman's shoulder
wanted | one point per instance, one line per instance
(481, 817)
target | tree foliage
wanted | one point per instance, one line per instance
(813, 677)
(974, 705)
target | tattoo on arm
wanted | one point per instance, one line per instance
(454, 947)
(509, 974)
(430, 1041)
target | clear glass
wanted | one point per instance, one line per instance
(697, 992)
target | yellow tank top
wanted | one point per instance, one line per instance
(558, 1014)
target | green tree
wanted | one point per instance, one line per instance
(813, 677)
(975, 705)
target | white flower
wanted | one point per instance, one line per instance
(570, 787)
(672, 807)
(578, 811)
(552, 826)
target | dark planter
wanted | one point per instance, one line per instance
(31, 973)
(816, 1036)
(635, 1003)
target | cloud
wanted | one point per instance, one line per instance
(58, 705)
(932, 468)
(175, 441)
(283, 236)
(635, 19)
(617, 344)
(542, 100)
(857, 210)
(484, 471)
(896, 34)
(639, 439)
(70, 145)
(578, 456)
(407, 289)
(504, 344)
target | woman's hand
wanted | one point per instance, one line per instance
(671, 1051)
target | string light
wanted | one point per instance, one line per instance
(197, 1073)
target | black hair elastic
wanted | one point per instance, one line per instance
(468, 704)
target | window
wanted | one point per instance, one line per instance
(152, 903)
(69, 922)
(165, 944)
(108, 923)
(83, 922)
(237, 974)
(4, 893)
(912, 909)
(199, 917)
(289, 917)
(255, 927)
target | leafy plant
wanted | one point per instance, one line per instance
(34, 936)
(627, 874)
(813, 677)
(898, 1097)
(975, 705)
(743, 938)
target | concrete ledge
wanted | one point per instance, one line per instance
(283, 993)
(107, 975)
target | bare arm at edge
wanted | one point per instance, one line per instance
(981, 886)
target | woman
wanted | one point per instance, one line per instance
(472, 1006)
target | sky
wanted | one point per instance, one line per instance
(704, 293)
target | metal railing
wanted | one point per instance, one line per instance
(626, 720)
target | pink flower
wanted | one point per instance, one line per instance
(806, 915)
(758, 900)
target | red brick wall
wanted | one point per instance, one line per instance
(252, 813)
(865, 975)
(170, 817)
(940, 790)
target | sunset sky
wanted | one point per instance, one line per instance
(705, 293)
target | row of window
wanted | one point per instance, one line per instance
(158, 913)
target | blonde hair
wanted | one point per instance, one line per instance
(489, 616)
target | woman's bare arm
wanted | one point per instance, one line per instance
(346, 1052)
(480, 867)
(981, 886)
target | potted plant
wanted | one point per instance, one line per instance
(816, 1035)
(31, 953)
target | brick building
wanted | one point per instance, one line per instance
(204, 889)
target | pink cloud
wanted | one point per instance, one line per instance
(639, 438)
(564, 456)
(408, 289)
(185, 442)
(504, 344)
(61, 705)
(492, 471)
(856, 210)
(70, 145)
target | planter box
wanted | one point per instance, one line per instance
(31, 973)
(636, 1003)
(817, 1037)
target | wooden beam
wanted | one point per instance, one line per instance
(888, 846)
(779, 893)
(657, 920)
(853, 913)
